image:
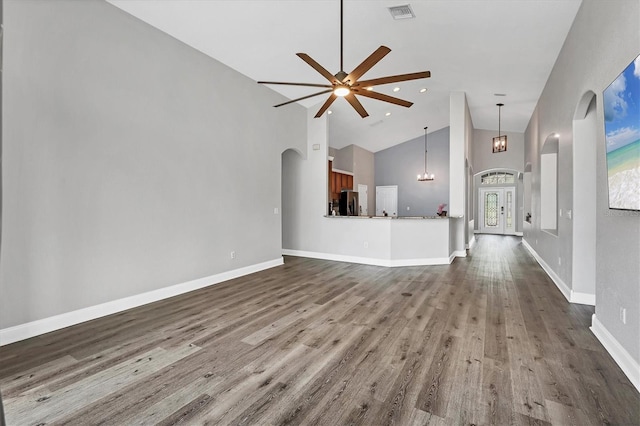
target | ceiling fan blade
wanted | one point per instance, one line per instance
(393, 79)
(302, 98)
(295, 84)
(355, 103)
(383, 97)
(326, 105)
(316, 66)
(366, 65)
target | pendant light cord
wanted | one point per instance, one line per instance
(499, 118)
(425, 152)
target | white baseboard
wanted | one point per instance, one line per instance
(472, 242)
(389, 263)
(46, 325)
(564, 289)
(583, 298)
(457, 253)
(569, 294)
(625, 361)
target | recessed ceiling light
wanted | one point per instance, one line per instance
(369, 88)
(329, 112)
(424, 89)
(396, 89)
(388, 114)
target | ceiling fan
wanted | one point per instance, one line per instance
(347, 85)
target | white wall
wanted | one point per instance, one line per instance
(585, 141)
(461, 134)
(131, 161)
(603, 40)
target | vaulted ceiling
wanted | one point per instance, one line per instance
(480, 47)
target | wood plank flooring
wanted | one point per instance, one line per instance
(485, 340)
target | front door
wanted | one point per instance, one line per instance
(497, 210)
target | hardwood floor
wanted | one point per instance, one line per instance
(486, 340)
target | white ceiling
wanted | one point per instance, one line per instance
(481, 47)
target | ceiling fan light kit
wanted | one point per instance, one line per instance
(348, 85)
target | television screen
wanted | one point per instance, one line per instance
(622, 134)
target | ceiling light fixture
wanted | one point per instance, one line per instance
(424, 89)
(329, 112)
(341, 90)
(499, 143)
(396, 89)
(388, 114)
(426, 177)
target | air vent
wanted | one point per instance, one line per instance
(401, 12)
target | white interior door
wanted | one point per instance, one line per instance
(497, 210)
(363, 200)
(387, 200)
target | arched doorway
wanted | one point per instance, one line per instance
(498, 205)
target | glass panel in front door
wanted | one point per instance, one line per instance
(509, 208)
(491, 209)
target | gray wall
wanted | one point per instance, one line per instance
(485, 159)
(131, 161)
(400, 164)
(343, 159)
(364, 173)
(603, 40)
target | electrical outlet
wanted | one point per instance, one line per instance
(559, 261)
(366, 244)
(275, 210)
(560, 213)
(569, 214)
(623, 315)
(408, 208)
(233, 254)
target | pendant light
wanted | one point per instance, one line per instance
(499, 143)
(426, 176)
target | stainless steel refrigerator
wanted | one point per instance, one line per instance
(349, 203)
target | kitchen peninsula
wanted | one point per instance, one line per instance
(393, 241)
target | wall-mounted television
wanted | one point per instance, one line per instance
(622, 135)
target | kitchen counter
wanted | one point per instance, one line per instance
(391, 217)
(386, 240)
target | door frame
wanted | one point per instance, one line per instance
(364, 207)
(502, 228)
(391, 189)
